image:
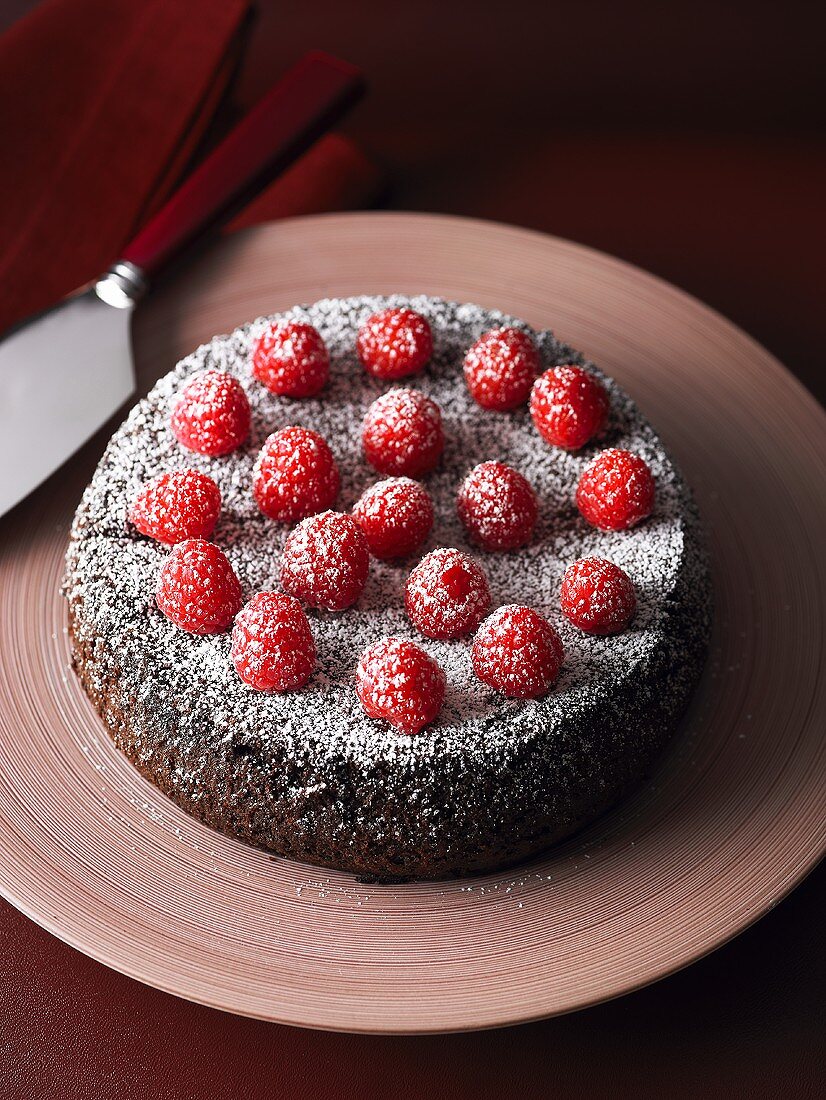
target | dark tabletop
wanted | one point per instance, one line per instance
(688, 139)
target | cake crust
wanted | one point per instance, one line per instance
(307, 775)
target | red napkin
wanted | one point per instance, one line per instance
(104, 102)
(333, 175)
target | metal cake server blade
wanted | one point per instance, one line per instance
(64, 372)
(62, 375)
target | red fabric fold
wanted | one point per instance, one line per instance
(102, 104)
(333, 175)
(101, 100)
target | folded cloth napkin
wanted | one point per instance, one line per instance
(102, 104)
(333, 175)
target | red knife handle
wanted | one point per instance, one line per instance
(309, 99)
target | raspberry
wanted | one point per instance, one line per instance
(398, 681)
(197, 588)
(396, 517)
(615, 491)
(295, 475)
(597, 596)
(569, 407)
(325, 561)
(177, 506)
(291, 359)
(394, 343)
(212, 414)
(500, 369)
(402, 433)
(518, 652)
(447, 594)
(497, 506)
(272, 644)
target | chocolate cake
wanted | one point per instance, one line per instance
(307, 774)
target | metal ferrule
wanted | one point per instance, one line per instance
(122, 286)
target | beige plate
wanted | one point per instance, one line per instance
(733, 818)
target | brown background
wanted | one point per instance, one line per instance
(686, 138)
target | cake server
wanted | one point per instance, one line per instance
(64, 372)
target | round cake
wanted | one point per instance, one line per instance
(307, 774)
